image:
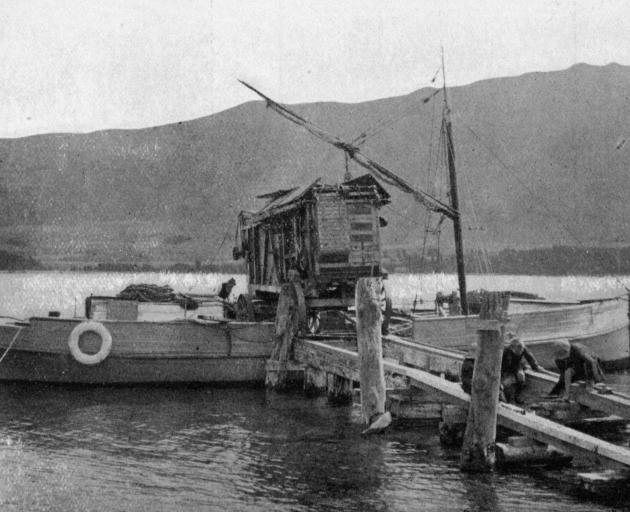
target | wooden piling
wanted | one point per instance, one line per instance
(286, 327)
(315, 381)
(339, 389)
(369, 347)
(478, 450)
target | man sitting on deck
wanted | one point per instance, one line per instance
(575, 363)
(224, 295)
(513, 369)
(226, 289)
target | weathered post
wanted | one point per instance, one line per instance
(286, 327)
(478, 450)
(339, 389)
(371, 373)
(315, 381)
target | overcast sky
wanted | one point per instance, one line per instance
(88, 65)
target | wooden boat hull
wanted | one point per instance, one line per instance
(141, 352)
(602, 326)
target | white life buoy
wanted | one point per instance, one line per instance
(106, 342)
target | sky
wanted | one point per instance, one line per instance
(86, 65)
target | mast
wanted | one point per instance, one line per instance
(353, 152)
(457, 224)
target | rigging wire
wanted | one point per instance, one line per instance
(511, 170)
(481, 254)
(543, 204)
(434, 184)
(387, 122)
(217, 252)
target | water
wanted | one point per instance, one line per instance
(227, 449)
(205, 449)
(24, 294)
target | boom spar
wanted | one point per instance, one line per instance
(355, 154)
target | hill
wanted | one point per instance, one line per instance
(541, 158)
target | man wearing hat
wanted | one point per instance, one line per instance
(513, 368)
(575, 363)
(226, 288)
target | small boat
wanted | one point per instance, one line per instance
(600, 325)
(123, 341)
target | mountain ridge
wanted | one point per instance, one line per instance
(541, 161)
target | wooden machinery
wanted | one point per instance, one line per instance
(321, 237)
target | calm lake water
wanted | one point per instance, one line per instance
(206, 449)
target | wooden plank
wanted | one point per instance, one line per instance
(339, 361)
(345, 363)
(423, 356)
(614, 403)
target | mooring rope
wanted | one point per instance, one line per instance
(11, 344)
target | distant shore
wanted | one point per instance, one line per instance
(551, 261)
(548, 261)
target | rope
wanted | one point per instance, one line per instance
(155, 293)
(11, 344)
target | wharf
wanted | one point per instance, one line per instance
(420, 364)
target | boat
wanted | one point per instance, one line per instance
(126, 341)
(601, 325)
(131, 340)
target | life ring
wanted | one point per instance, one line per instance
(106, 342)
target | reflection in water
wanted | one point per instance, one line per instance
(346, 477)
(480, 492)
(209, 449)
(228, 449)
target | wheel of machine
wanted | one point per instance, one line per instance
(244, 309)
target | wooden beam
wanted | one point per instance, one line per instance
(422, 356)
(331, 359)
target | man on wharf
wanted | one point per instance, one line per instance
(513, 368)
(575, 363)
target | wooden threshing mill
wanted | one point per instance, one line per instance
(321, 237)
